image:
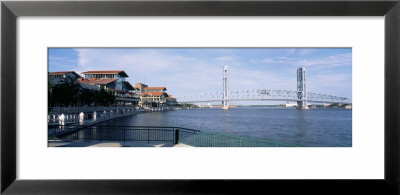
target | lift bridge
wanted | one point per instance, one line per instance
(301, 96)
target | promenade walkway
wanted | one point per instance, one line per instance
(94, 143)
(73, 115)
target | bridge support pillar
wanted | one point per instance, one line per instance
(302, 105)
(225, 103)
(301, 89)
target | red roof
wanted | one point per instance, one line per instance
(155, 88)
(107, 72)
(64, 72)
(152, 93)
(97, 81)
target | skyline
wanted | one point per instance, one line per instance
(189, 71)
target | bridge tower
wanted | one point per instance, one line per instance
(301, 89)
(225, 83)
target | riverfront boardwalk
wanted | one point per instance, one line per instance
(90, 115)
(55, 130)
(85, 115)
(94, 143)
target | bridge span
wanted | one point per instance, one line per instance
(301, 96)
(262, 95)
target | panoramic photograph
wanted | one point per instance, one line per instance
(199, 97)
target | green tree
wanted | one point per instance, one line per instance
(69, 92)
(66, 92)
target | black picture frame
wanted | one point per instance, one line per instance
(11, 10)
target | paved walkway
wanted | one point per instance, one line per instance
(58, 143)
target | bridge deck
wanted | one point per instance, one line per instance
(262, 95)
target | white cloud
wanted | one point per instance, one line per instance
(255, 79)
(333, 80)
(268, 61)
(285, 58)
(290, 51)
(327, 62)
(305, 51)
(331, 84)
(227, 58)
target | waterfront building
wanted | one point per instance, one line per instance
(114, 79)
(155, 89)
(125, 98)
(326, 105)
(348, 106)
(100, 83)
(288, 104)
(171, 101)
(154, 97)
(115, 82)
(140, 87)
(57, 77)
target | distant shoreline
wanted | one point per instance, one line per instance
(284, 106)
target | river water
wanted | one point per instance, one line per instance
(317, 127)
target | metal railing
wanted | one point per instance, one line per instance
(65, 110)
(175, 135)
(71, 119)
(121, 133)
(212, 139)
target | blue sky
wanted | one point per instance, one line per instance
(186, 71)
